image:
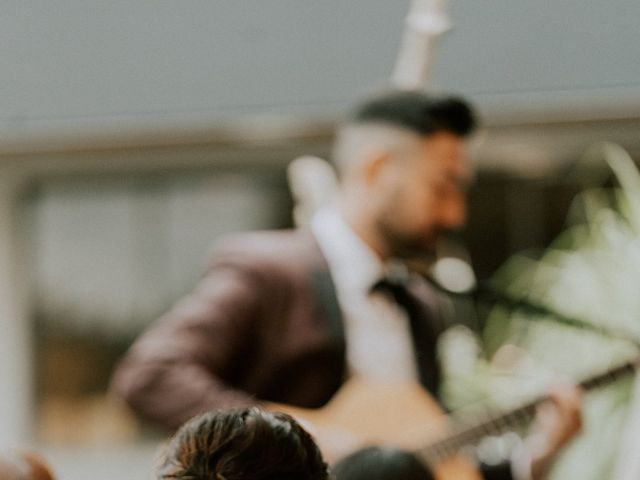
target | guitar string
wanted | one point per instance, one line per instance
(465, 434)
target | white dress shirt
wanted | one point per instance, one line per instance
(377, 331)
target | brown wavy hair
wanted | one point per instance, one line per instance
(244, 444)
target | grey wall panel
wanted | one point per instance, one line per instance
(71, 58)
(545, 56)
(113, 61)
(503, 46)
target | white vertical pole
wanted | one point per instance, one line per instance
(16, 376)
(427, 20)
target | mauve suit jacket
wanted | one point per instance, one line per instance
(263, 324)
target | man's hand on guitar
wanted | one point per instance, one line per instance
(557, 421)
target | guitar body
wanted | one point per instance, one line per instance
(398, 414)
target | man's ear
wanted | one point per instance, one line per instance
(375, 166)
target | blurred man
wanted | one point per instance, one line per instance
(286, 317)
(243, 444)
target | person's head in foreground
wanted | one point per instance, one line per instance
(380, 463)
(242, 444)
(23, 465)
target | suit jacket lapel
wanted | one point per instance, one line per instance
(327, 307)
(327, 303)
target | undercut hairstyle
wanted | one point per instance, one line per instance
(380, 463)
(395, 121)
(242, 444)
(416, 111)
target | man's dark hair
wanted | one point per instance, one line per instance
(245, 444)
(380, 463)
(416, 111)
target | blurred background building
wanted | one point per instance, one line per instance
(132, 135)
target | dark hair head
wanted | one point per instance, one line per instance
(380, 463)
(246, 444)
(416, 111)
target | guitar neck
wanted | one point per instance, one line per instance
(468, 434)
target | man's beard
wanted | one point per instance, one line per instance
(405, 246)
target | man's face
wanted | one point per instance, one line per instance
(424, 196)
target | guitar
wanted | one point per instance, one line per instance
(408, 417)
